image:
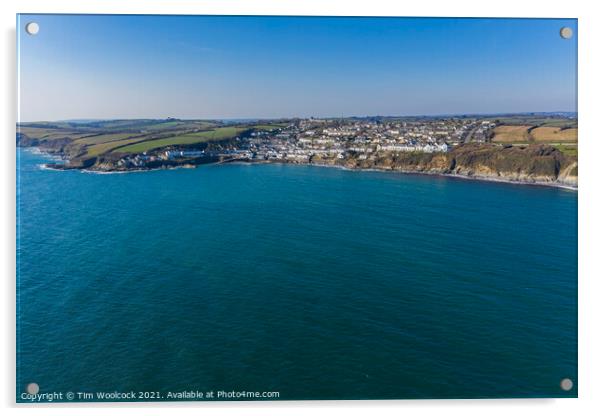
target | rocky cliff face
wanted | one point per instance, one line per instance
(533, 164)
(62, 146)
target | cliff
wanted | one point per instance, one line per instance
(536, 163)
(60, 146)
(532, 164)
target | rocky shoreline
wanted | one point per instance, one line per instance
(499, 179)
(533, 164)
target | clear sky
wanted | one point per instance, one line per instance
(81, 66)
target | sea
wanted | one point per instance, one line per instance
(287, 282)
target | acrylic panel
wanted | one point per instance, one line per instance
(295, 208)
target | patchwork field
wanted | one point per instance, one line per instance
(530, 134)
(269, 127)
(511, 134)
(51, 134)
(86, 139)
(554, 134)
(104, 138)
(101, 148)
(535, 121)
(185, 139)
(178, 125)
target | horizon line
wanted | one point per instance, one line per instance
(91, 119)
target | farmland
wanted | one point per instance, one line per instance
(185, 139)
(269, 127)
(560, 132)
(47, 134)
(525, 134)
(554, 134)
(101, 148)
(81, 141)
(103, 138)
(511, 134)
(371, 142)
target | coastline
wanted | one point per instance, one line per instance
(324, 165)
(447, 175)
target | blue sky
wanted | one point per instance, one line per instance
(88, 66)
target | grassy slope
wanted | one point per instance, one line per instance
(558, 132)
(51, 133)
(568, 149)
(104, 138)
(185, 139)
(269, 127)
(511, 134)
(94, 138)
(101, 148)
(554, 134)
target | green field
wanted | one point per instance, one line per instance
(269, 127)
(104, 138)
(101, 148)
(51, 133)
(185, 139)
(568, 149)
(96, 137)
(535, 121)
(180, 124)
(126, 124)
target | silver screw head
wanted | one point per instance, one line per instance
(566, 33)
(33, 388)
(566, 384)
(32, 28)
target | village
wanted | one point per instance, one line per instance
(303, 140)
(363, 138)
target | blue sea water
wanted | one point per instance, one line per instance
(316, 283)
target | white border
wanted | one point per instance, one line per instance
(590, 207)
